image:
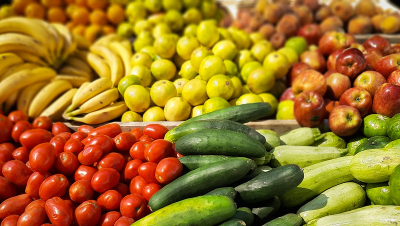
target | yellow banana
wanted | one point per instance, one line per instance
(76, 81)
(24, 78)
(31, 58)
(105, 40)
(103, 115)
(81, 54)
(8, 60)
(116, 67)
(56, 109)
(27, 94)
(76, 62)
(69, 41)
(16, 68)
(10, 102)
(81, 42)
(124, 54)
(46, 95)
(59, 40)
(82, 87)
(69, 70)
(99, 65)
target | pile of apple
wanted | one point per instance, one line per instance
(345, 81)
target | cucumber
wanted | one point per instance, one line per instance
(239, 113)
(256, 172)
(265, 209)
(374, 142)
(202, 210)
(375, 165)
(244, 214)
(368, 215)
(338, 199)
(303, 136)
(234, 222)
(393, 144)
(225, 191)
(271, 137)
(318, 178)
(379, 193)
(219, 142)
(289, 219)
(354, 143)
(269, 184)
(202, 180)
(192, 162)
(174, 134)
(394, 185)
(304, 155)
(393, 127)
(329, 139)
(263, 160)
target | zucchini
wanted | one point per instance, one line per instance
(354, 143)
(192, 162)
(303, 136)
(225, 191)
(338, 199)
(318, 178)
(202, 210)
(375, 165)
(271, 137)
(394, 185)
(393, 127)
(244, 214)
(234, 222)
(265, 209)
(289, 219)
(269, 184)
(202, 180)
(263, 160)
(374, 142)
(174, 134)
(379, 193)
(393, 144)
(219, 142)
(304, 155)
(329, 139)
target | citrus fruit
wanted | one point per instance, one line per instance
(165, 46)
(131, 116)
(210, 66)
(161, 29)
(248, 98)
(143, 73)
(163, 69)
(152, 53)
(220, 86)
(196, 111)
(231, 68)
(97, 4)
(135, 10)
(98, 17)
(174, 19)
(137, 98)
(271, 99)
(153, 6)
(224, 34)
(195, 92)
(290, 54)
(178, 61)
(298, 43)
(240, 38)
(190, 30)
(197, 57)
(191, 3)
(153, 114)
(248, 68)
(127, 81)
(144, 39)
(207, 33)
(245, 89)
(177, 109)
(179, 84)
(278, 63)
(141, 58)
(237, 85)
(142, 25)
(186, 45)
(187, 71)
(208, 8)
(215, 103)
(124, 29)
(192, 16)
(255, 37)
(161, 91)
(35, 10)
(225, 49)
(56, 15)
(285, 110)
(261, 80)
(261, 49)
(243, 57)
(171, 4)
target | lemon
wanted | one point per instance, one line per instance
(271, 99)
(163, 69)
(215, 103)
(249, 98)
(192, 16)
(285, 110)
(261, 49)
(186, 45)
(172, 4)
(220, 86)
(261, 80)
(290, 54)
(197, 57)
(165, 46)
(127, 81)
(177, 109)
(187, 71)
(237, 85)
(208, 8)
(161, 91)
(131, 116)
(143, 73)
(144, 39)
(141, 58)
(233, 102)
(231, 68)
(245, 89)
(190, 30)
(153, 6)
(248, 68)
(161, 29)
(141, 25)
(155, 19)
(153, 114)
(210, 66)
(278, 63)
(196, 111)
(135, 11)
(191, 3)
(178, 60)
(174, 19)
(179, 84)
(255, 37)
(240, 38)
(224, 34)
(207, 33)
(137, 98)
(195, 92)
(225, 49)
(152, 53)
(243, 57)
(125, 30)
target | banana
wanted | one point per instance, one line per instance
(124, 53)
(82, 87)
(10, 102)
(76, 62)
(105, 40)
(103, 115)
(97, 102)
(8, 60)
(76, 81)
(69, 41)
(116, 67)
(31, 58)
(82, 43)
(26, 96)
(59, 40)
(81, 54)
(16, 68)
(54, 111)
(46, 95)
(99, 65)
(70, 70)
(24, 78)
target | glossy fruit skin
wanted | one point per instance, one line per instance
(149, 190)
(124, 141)
(90, 155)
(111, 130)
(309, 109)
(109, 200)
(131, 170)
(146, 138)
(34, 182)
(59, 212)
(14, 205)
(58, 143)
(66, 163)
(17, 115)
(104, 141)
(122, 188)
(158, 150)
(18, 128)
(109, 218)
(123, 221)
(138, 132)
(168, 170)
(137, 184)
(79, 135)
(10, 220)
(105, 179)
(16, 172)
(21, 154)
(112, 160)
(33, 137)
(65, 135)
(155, 131)
(58, 128)
(81, 191)
(84, 173)
(6, 127)
(147, 171)
(34, 215)
(74, 146)
(53, 186)
(6, 150)
(7, 189)
(42, 122)
(42, 157)
(133, 206)
(137, 150)
(88, 213)
(85, 128)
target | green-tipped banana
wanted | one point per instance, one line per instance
(55, 110)
(103, 115)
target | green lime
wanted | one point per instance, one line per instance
(143, 73)
(141, 58)
(375, 125)
(187, 71)
(290, 54)
(225, 49)
(127, 81)
(163, 69)
(248, 68)
(190, 30)
(224, 34)
(174, 19)
(215, 103)
(141, 25)
(161, 91)
(144, 39)
(152, 53)
(165, 46)
(231, 68)
(220, 86)
(210, 66)
(135, 11)
(192, 16)
(186, 45)
(207, 33)
(197, 57)
(125, 30)
(298, 43)
(243, 57)
(161, 29)
(256, 37)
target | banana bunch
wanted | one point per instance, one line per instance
(95, 102)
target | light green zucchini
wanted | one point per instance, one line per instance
(329, 139)
(303, 136)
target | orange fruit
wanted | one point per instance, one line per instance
(70, 9)
(71, 25)
(116, 14)
(35, 10)
(79, 30)
(108, 29)
(80, 15)
(51, 3)
(56, 14)
(98, 17)
(97, 4)
(20, 5)
(81, 3)
(92, 32)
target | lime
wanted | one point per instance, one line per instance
(208, 8)
(127, 81)
(271, 99)
(178, 61)
(187, 71)
(179, 84)
(174, 19)
(225, 49)
(137, 98)
(135, 11)
(131, 116)
(153, 6)
(172, 4)
(248, 98)
(210, 66)
(195, 92)
(153, 114)
(248, 68)
(220, 86)
(191, 3)
(177, 109)
(125, 30)
(278, 63)
(161, 29)
(231, 68)
(165, 46)
(143, 73)
(240, 38)
(245, 89)
(243, 57)
(224, 34)
(298, 43)
(197, 57)
(261, 49)
(155, 19)
(285, 110)
(192, 16)
(190, 30)
(163, 69)
(144, 39)
(290, 54)
(152, 53)
(141, 58)
(261, 80)
(215, 103)
(142, 25)
(255, 37)
(207, 33)
(375, 125)
(196, 111)
(186, 45)
(161, 91)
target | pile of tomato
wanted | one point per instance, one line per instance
(94, 176)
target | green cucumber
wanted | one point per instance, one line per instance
(303, 136)
(271, 137)
(379, 193)
(174, 134)
(192, 162)
(394, 185)
(393, 144)
(374, 142)
(225, 191)
(269, 184)
(263, 160)
(354, 143)
(393, 127)
(338, 199)
(244, 214)
(200, 211)
(329, 139)
(289, 219)
(265, 209)
(234, 222)
(304, 155)
(220, 142)
(202, 180)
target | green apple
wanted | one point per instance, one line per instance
(290, 54)
(278, 63)
(297, 43)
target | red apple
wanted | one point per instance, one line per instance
(315, 59)
(387, 100)
(350, 39)
(334, 40)
(309, 80)
(372, 56)
(329, 72)
(388, 64)
(309, 109)
(295, 70)
(351, 62)
(359, 98)
(394, 77)
(337, 84)
(395, 49)
(357, 46)
(344, 120)
(287, 95)
(379, 43)
(311, 32)
(370, 81)
(331, 62)
(329, 105)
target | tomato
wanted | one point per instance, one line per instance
(34, 182)
(105, 179)
(122, 188)
(137, 150)
(53, 186)
(126, 156)
(81, 191)
(6, 150)
(7, 189)
(146, 138)
(33, 216)
(18, 115)
(66, 163)
(88, 213)
(109, 218)
(10, 220)
(42, 122)
(147, 171)
(124, 221)
(74, 146)
(19, 128)
(42, 157)
(105, 142)
(111, 130)
(33, 204)
(14, 205)
(175, 153)
(59, 212)
(155, 131)
(158, 150)
(112, 160)
(137, 184)
(87, 140)
(90, 155)
(149, 190)
(138, 132)
(58, 128)
(58, 143)
(168, 170)
(65, 135)
(84, 173)
(109, 200)
(6, 127)
(79, 136)
(16, 172)
(134, 206)
(33, 137)
(131, 169)
(85, 128)
(124, 141)
(21, 154)
(1, 166)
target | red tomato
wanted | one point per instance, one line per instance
(146, 138)
(16, 172)
(42, 122)
(137, 150)
(10, 220)
(33, 204)
(168, 170)
(109, 218)
(105, 142)
(138, 132)
(90, 155)
(124, 141)
(158, 150)
(112, 160)
(79, 136)
(21, 154)
(65, 135)
(133, 206)
(126, 156)
(155, 131)
(1, 166)
(124, 221)
(33, 137)
(122, 188)
(85, 128)
(84, 173)
(17, 115)
(175, 153)
(7, 189)
(147, 171)
(88, 213)
(6, 127)
(131, 169)
(33, 216)
(19, 128)
(59, 212)
(58, 128)
(149, 190)
(74, 146)
(66, 163)
(42, 157)
(6, 150)
(111, 130)
(137, 184)
(34, 182)
(109, 200)
(105, 179)
(58, 143)
(53, 186)
(81, 191)
(14, 205)
(87, 140)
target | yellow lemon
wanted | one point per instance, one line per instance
(153, 114)
(261, 80)
(161, 91)
(163, 69)
(248, 68)
(225, 49)
(261, 49)
(243, 57)
(210, 66)
(207, 33)
(152, 53)
(143, 73)
(197, 57)
(137, 98)
(231, 68)
(237, 85)
(131, 116)
(285, 110)
(179, 84)
(141, 58)
(177, 109)
(196, 111)
(249, 98)
(127, 81)
(278, 63)
(271, 99)
(220, 86)
(186, 45)
(290, 54)
(187, 71)
(165, 46)
(215, 103)
(195, 92)
(161, 29)
(190, 30)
